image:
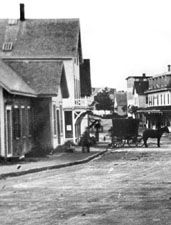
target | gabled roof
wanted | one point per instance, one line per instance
(13, 83)
(85, 78)
(140, 87)
(44, 77)
(41, 38)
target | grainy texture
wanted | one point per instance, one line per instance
(131, 186)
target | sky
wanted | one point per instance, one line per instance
(120, 37)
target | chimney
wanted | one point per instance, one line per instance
(144, 75)
(22, 16)
(169, 66)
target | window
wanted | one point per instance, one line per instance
(162, 81)
(157, 99)
(16, 122)
(76, 88)
(76, 60)
(153, 100)
(150, 83)
(54, 120)
(161, 100)
(149, 100)
(7, 46)
(29, 121)
(154, 81)
(23, 121)
(12, 21)
(168, 98)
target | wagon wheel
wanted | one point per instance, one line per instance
(120, 143)
(132, 142)
(139, 142)
(114, 143)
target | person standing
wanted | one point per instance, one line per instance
(86, 142)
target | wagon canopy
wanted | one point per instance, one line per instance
(125, 127)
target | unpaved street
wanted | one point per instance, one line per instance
(129, 186)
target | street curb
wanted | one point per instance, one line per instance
(35, 170)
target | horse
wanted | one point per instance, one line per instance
(150, 133)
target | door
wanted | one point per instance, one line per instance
(68, 124)
(8, 128)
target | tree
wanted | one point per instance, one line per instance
(103, 100)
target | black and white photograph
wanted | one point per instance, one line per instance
(85, 112)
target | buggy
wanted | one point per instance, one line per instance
(125, 131)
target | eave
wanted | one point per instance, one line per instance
(14, 92)
(157, 90)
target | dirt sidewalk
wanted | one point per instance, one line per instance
(57, 160)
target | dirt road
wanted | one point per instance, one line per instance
(128, 186)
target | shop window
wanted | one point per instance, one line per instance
(16, 123)
(23, 122)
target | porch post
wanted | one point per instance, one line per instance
(2, 124)
(73, 123)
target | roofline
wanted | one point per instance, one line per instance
(157, 90)
(156, 109)
(23, 94)
(38, 58)
(162, 75)
(138, 77)
(17, 92)
(45, 19)
(47, 95)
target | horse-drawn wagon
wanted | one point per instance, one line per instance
(125, 131)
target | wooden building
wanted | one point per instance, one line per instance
(41, 101)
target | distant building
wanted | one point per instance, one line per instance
(150, 97)
(136, 87)
(120, 103)
(136, 97)
(158, 110)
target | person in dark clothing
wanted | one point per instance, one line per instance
(97, 126)
(86, 141)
